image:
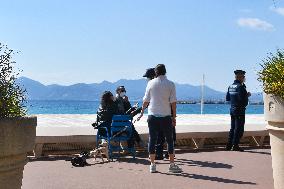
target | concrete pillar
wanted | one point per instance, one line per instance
(274, 114)
(17, 137)
(11, 171)
(276, 133)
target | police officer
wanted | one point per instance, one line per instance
(238, 97)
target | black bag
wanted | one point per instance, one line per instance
(80, 161)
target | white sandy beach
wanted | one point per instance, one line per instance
(80, 124)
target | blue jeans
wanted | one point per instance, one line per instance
(159, 125)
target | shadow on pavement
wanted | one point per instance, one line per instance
(204, 164)
(251, 149)
(209, 178)
(257, 152)
(139, 160)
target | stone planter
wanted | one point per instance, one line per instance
(274, 114)
(17, 137)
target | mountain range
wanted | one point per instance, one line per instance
(135, 91)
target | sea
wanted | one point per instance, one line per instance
(90, 107)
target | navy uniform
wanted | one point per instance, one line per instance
(238, 97)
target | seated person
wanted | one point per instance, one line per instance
(108, 107)
(124, 107)
(106, 110)
(122, 101)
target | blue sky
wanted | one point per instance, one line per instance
(67, 42)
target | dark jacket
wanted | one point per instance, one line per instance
(123, 105)
(104, 114)
(238, 96)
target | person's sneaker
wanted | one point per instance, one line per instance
(153, 168)
(166, 155)
(237, 148)
(174, 168)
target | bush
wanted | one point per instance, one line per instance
(12, 96)
(272, 74)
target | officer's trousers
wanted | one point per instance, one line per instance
(237, 129)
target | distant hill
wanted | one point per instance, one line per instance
(135, 90)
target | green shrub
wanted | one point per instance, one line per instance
(272, 74)
(12, 96)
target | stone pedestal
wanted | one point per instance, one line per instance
(274, 114)
(17, 137)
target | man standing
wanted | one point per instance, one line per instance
(150, 74)
(238, 96)
(160, 96)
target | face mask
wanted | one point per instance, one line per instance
(122, 94)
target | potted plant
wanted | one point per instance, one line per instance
(17, 132)
(272, 77)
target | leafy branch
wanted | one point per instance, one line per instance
(12, 96)
(272, 74)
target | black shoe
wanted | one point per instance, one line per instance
(166, 156)
(237, 148)
(228, 147)
(159, 157)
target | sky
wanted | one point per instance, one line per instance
(67, 42)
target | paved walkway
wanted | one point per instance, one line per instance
(213, 169)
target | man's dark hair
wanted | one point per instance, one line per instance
(160, 69)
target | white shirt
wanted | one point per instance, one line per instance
(160, 93)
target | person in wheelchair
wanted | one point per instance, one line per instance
(124, 107)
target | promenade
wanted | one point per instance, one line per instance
(203, 168)
(211, 169)
(80, 124)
